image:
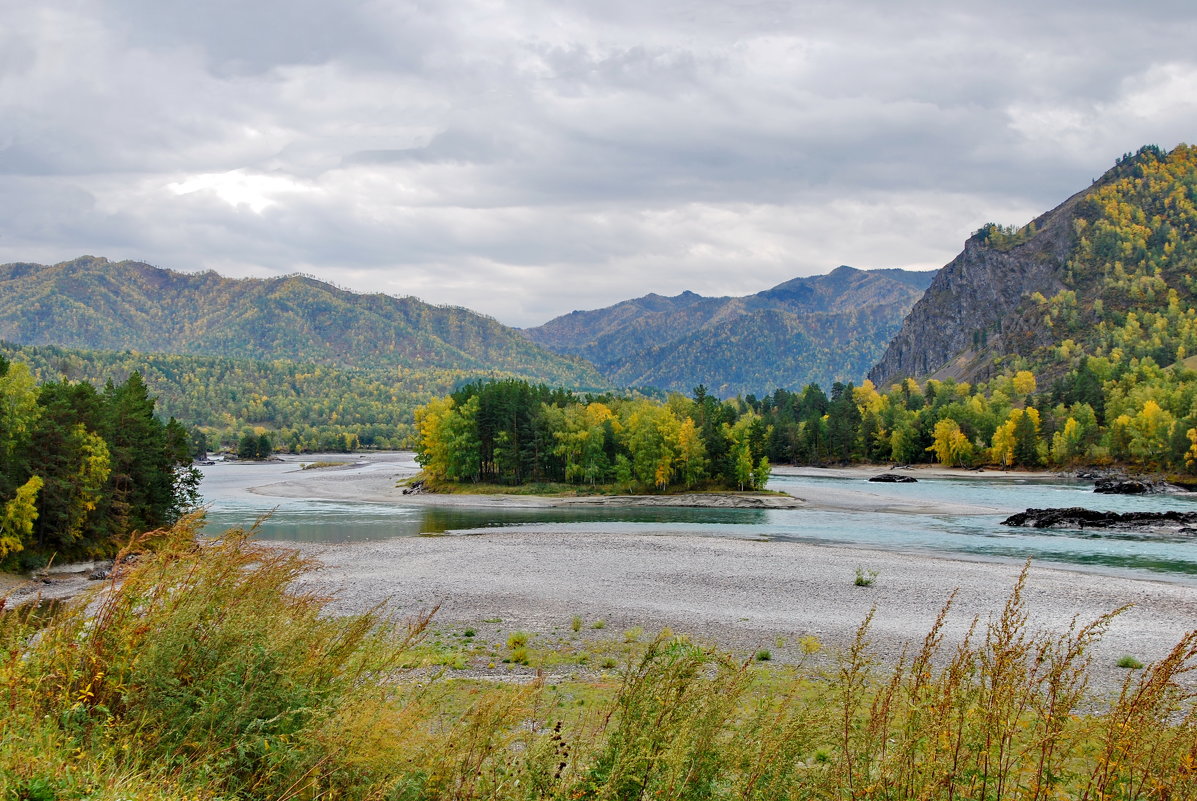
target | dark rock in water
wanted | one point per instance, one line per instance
(894, 478)
(1125, 486)
(1078, 517)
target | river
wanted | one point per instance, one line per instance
(237, 494)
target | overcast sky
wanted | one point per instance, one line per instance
(529, 158)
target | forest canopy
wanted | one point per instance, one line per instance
(82, 467)
(512, 432)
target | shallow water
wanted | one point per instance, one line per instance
(225, 489)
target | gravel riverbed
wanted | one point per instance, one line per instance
(741, 595)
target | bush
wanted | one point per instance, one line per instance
(203, 656)
(204, 673)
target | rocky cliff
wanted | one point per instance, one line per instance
(971, 314)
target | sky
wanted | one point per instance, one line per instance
(525, 159)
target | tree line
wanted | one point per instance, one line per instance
(1105, 411)
(1128, 412)
(513, 432)
(82, 467)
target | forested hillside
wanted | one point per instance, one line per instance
(1111, 273)
(820, 329)
(92, 303)
(301, 407)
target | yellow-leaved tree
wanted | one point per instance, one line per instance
(17, 517)
(950, 445)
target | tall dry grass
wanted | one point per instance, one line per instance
(200, 672)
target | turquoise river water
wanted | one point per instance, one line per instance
(225, 489)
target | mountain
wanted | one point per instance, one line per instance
(823, 329)
(1110, 273)
(92, 303)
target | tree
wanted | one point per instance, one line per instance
(951, 446)
(1026, 437)
(691, 453)
(1024, 382)
(760, 476)
(247, 446)
(1067, 443)
(18, 516)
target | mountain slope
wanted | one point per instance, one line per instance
(822, 329)
(92, 303)
(1079, 274)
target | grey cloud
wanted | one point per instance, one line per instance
(527, 159)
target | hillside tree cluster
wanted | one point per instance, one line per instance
(1145, 418)
(81, 468)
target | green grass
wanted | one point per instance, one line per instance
(205, 674)
(865, 578)
(1129, 662)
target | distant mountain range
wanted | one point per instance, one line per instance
(822, 329)
(92, 303)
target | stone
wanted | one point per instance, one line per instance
(1080, 518)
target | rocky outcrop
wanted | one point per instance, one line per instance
(968, 309)
(894, 478)
(1076, 517)
(971, 315)
(1127, 486)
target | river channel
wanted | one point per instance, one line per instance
(238, 494)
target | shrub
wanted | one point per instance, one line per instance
(865, 578)
(205, 658)
(1129, 662)
(208, 674)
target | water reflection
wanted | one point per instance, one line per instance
(979, 535)
(322, 521)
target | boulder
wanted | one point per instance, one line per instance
(894, 478)
(1125, 486)
(1080, 518)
